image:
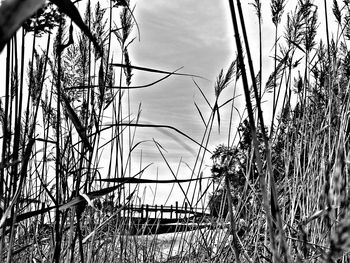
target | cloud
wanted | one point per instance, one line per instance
(196, 35)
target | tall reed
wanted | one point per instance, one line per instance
(276, 194)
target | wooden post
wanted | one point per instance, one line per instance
(171, 212)
(141, 211)
(42, 215)
(155, 211)
(119, 212)
(176, 210)
(185, 209)
(147, 207)
(161, 211)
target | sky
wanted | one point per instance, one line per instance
(199, 38)
(183, 33)
(178, 34)
(174, 34)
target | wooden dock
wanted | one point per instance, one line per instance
(154, 219)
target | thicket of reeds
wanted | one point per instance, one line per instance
(278, 191)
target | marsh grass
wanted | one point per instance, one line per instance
(277, 194)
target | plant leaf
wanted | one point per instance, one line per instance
(132, 180)
(12, 15)
(77, 124)
(68, 8)
(30, 214)
(154, 70)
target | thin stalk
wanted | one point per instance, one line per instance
(27, 125)
(327, 31)
(274, 81)
(89, 91)
(260, 57)
(57, 251)
(232, 219)
(6, 140)
(329, 118)
(5, 124)
(250, 111)
(231, 114)
(253, 128)
(262, 126)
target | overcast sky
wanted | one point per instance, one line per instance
(198, 36)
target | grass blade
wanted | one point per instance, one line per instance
(12, 14)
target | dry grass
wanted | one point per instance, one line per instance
(278, 193)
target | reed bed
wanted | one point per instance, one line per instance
(277, 190)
